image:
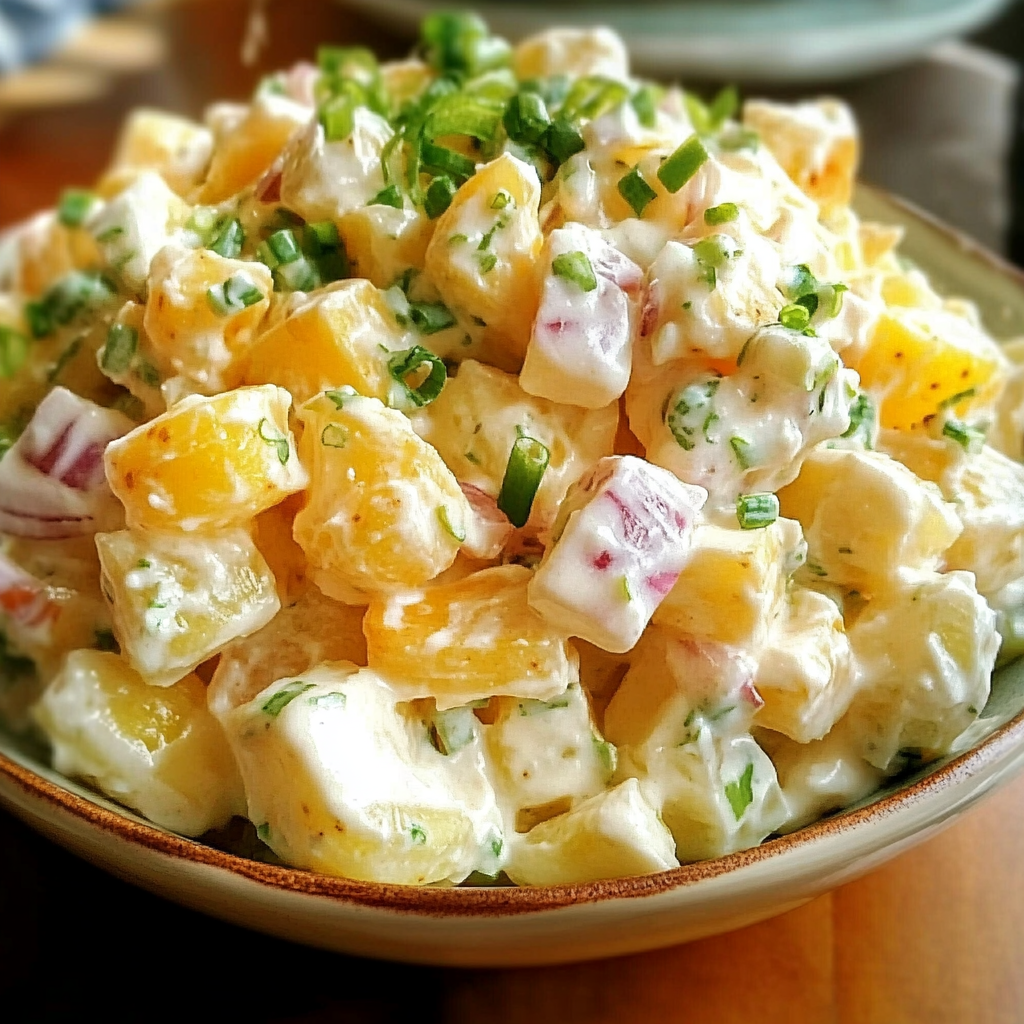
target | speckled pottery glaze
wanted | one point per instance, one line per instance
(556, 924)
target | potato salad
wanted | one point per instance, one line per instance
(493, 466)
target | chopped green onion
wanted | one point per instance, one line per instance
(488, 262)
(803, 282)
(526, 117)
(322, 236)
(452, 730)
(592, 96)
(969, 438)
(575, 267)
(13, 351)
(645, 103)
(148, 374)
(417, 834)
(439, 196)
(607, 755)
(446, 522)
(431, 317)
(832, 296)
(277, 441)
(501, 200)
(284, 696)
(118, 352)
(338, 117)
(229, 239)
(740, 793)
(795, 317)
(562, 140)
(401, 364)
(340, 396)
(960, 396)
(634, 189)
(683, 164)
(75, 205)
(238, 292)
(723, 106)
(297, 275)
(441, 160)
(348, 62)
(456, 41)
(755, 511)
(862, 420)
(741, 448)
(627, 594)
(721, 214)
(74, 292)
(334, 436)
(387, 196)
(459, 114)
(526, 465)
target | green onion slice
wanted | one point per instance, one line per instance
(795, 316)
(645, 103)
(575, 267)
(441, 160)
(75, 205)
(969, 438)
(13, 351)
(439, 196)
(238, 292)
(431, 317)
(756, 511)
(562, 140)
(229, 239)
(117, 354)
(278, 441)
(741, 448)
(283, 697)
(526, 465)
(401, 364)
(721, 214)
(334, 436)
(634, 189)
(387, 196)
(526, 117)
(683, 164)
(445, 520)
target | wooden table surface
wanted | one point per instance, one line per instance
(936, 936)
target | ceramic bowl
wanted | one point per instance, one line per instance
(508, 926)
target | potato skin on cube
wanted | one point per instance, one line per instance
(345, 334)
(468, 640)
(619, 544)
(493, 279)
(207, 463)
(159, 751)
(384, 511)
(341, 779)
(176, 599)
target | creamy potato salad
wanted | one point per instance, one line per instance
(491, 464)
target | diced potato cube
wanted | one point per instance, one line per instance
(176, 148)
(135, 225)
(484, 253)
(547, 755)
(42, 251)
(345, 334)
(468, 640)
(926, 657)
(341, 780)
(202, 312)
(824, 775)
(620, 542)
(158, 751)
(614, 834)
(384, 511)
(572, 51)
(382, 242)
(207, 463)
(272, 534)
(866, 516)
(473, 425)
(580, 350)
(816, 142)
(323, 180)
(311, 630)
(680, 720)
(805, 675)
(918, 360)
(247, 144)
(733, 582)
(178, 599)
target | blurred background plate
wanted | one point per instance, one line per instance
(740, 40)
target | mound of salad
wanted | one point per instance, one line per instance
(490, 464)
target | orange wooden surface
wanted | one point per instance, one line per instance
(935, 937)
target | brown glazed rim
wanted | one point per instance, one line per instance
(509, 900)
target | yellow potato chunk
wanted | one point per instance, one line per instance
(571, 51)
(612, 835)
(866, 516)
(246, 148)
(341, 779)
(345, 334)
(468, 640)
(473, 425)
(483, 255)
(382, 242)
(384, 511)
(920, 359)
(177, 599)
(207, 463)
(733, 584)
(198, 334)
(176, 148)
(156, 750)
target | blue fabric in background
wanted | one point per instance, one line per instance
(29, 29)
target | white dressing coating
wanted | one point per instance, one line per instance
(619, 545)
